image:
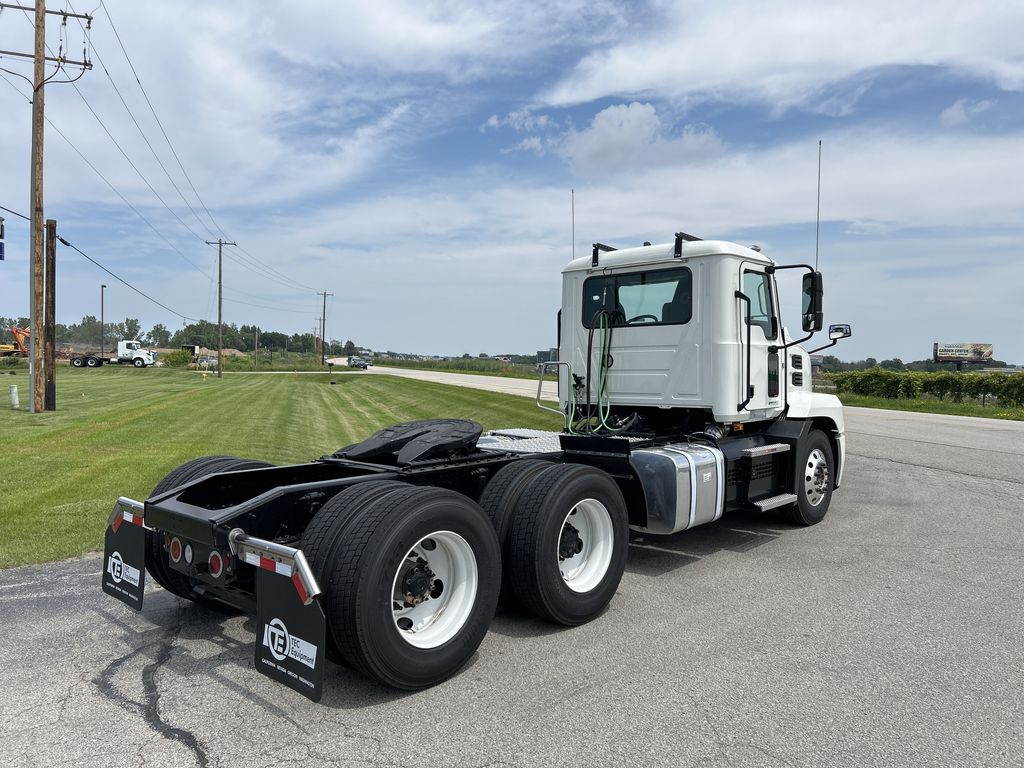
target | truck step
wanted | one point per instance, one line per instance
(774, 502)
(765, 450)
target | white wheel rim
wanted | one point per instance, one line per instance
(584, 570)
(454, 579)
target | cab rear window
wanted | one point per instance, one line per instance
(659, 297)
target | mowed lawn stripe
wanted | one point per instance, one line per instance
(118, 431)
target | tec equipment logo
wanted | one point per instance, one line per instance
(284, 645)
(277, 639)
(120, 571)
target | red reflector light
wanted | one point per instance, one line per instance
(175, 549)
(216, 563)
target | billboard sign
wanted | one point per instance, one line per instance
(961, 353)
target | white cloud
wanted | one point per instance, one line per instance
(793, 53)
(963, 111)
(632, 137)
(519, 120)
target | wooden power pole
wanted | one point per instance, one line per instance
(323, 328)
(37, 380)
(41, 372)
(49, 319)
(220, 303)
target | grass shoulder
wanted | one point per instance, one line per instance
(932, 405)
(118, 431)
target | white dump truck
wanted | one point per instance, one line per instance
(682, 398)
(128, 353)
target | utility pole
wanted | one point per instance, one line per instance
(323, 327)
(37, 362)
(37, 320)
(49, 319)
(220, 304)
(103, 287)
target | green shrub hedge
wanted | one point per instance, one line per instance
(879, 382)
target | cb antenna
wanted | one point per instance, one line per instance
(572, 216)
(817, 218)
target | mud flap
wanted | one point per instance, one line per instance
(290, 633)
(124, 555)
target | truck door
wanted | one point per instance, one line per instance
(765, 374)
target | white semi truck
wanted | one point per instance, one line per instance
(682, 397)
(128, 353)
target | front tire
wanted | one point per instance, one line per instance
(138, 362)
(414, 586)
(568, 544)
(814, 480)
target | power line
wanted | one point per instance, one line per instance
(112, 187)
(142, 133)
(156, 117)
(255, 266)
(246, 259)
(256, 262)
(122, 280)
(22, 215)
(263, 306)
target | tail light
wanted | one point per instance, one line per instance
(216, 563)
(175, 549)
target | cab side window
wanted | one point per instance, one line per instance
(758, 288)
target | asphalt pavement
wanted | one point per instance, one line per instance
(889, 635)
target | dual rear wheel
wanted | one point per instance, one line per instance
(411, 575)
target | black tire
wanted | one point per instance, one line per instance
(157, 563)
(538, 533)
(138, 362)
(77, 362)
(498, 502)
(372, 557)
(92, 362)
(814, 478)
(321, 539)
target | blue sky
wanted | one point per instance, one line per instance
(416, 159)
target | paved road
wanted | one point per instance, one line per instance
(888, 635)
(502, 384)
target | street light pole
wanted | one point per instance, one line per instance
(102, 288)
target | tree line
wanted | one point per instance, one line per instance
(832, 364)
(86, 333)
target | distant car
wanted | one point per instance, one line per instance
(357, 362)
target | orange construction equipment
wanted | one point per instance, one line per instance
(20, 346)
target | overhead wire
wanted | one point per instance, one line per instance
(109, 184)
(112, 274)
(125, 282)
(142, 133)
(157, 118)
(269, 271)
(245, 259)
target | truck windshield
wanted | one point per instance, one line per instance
(659, 297)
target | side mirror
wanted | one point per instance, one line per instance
(812, 312)
(836, 332)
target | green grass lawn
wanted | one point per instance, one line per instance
(119, 431)
(932, 405)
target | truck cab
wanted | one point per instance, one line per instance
(133, 352)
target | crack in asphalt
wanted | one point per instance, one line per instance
(149, 709)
